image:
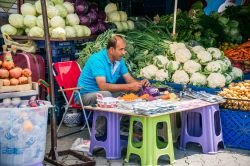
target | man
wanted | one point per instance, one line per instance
(100, 74)
(102, 71)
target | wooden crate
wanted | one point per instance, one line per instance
(16, 88)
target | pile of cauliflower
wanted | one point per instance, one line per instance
(192, 65)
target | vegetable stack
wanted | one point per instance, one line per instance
(12, 75)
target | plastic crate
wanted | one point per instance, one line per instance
(236, 128)
(55, 44)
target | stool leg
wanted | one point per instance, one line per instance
(113, 150)
(170, 141)
(149, 142)
(93, 132)
(129, 140)
(183, 130)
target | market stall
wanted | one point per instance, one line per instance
(204, 55)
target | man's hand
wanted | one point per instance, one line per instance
(135, 86)
(145, 83)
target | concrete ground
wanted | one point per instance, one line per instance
(191, 156)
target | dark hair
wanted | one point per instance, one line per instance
(113, 41)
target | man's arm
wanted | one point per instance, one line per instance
(104, 86)
(129, 79)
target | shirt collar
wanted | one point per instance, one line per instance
(106, 56)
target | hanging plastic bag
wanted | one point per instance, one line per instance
(24, 45)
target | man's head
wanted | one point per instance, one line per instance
(116, 48)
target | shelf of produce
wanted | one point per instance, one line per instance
(52, 39)
(33, 92)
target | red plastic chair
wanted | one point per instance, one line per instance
(66, 75)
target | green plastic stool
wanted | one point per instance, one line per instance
(148, 149)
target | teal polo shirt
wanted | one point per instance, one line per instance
(99, 65)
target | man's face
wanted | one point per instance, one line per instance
(119, 51)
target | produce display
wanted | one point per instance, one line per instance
(63, 22)
(11, 75)
(237, 95)
(119, 18)
(240, 56)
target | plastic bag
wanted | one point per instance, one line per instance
(27, 46)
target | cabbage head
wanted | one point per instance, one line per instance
(36, 32)
(72, 19)
(123, 16)
(20, 32)
(114, 16)
(39, 21)
(29, 21)
(87, 31)
(57, 21)
(57, 1)
(8, 29)
(27, 30)
(79, 30)
(52, 11)
(62, 10)
(118, 26)
(16, 20)
(28, 9)
(110, 8)
(70, 32)
(39, 8)
(70, 8)
(58, 33)
(131, 24)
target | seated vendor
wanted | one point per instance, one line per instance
(101, 73)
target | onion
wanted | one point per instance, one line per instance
(8, 65)
(16, 72)
(6, 82)
(23, 80)
(26, 72)
(4, 73)
(14, 81)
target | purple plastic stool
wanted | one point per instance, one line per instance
(209, 127)
(112, 144)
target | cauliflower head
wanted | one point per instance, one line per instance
(161, 75)
(216, 80)
(229, 78)
(180, 77)
(197, 49)
(236, 73)
(198, 79)
(182, 55)
(149, 71)
(160, 61)
(215, 52)
(214, 66)
(174, 46)
(191, 66)
(204, 56)
(173, 66)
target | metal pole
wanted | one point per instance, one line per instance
(175, 12)
(53, 151)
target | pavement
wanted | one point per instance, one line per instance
(192, 156)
